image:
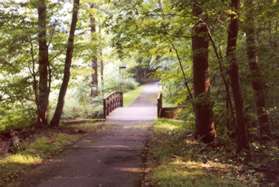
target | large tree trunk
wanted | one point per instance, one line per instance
(241, 127)
(253, 60)
(94, 64)
(205, 129)
(67, 67)
(43, 94)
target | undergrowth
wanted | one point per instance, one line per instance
(177, 159)
(39, 147)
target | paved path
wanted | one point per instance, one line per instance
(112, 158)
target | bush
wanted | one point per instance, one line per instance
(117, 84)
(16, 117)
(79, 104)
(128, 84)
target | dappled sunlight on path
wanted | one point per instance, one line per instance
(112, 157)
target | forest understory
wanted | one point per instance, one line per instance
(30, 148)
(216, 63)
(176, 158)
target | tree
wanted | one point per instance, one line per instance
(202, 105)
(253, 62)
(67, 67)
(241, 127)
(44, 90)
(94, 64)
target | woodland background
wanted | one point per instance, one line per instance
(218, 60)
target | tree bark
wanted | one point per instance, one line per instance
(67, 67)
(102, 73)
(94, 64)
(205, 129)
(101, 66)
(253, 62)
(43, 61)
(241, 127)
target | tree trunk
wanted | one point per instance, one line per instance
(94, 64)
(101, 66)
(67, 67)
(241, 127)
(205, 129)
(228, 99)
(102, 73)
(43, 61)
(253, 62)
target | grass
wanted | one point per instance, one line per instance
(178, 160)
(130, 96)
(38, 148)
(91, 126)
(168, 104)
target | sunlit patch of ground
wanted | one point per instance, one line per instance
(21, 158)
(177, 172)
(176, 159)
(38, 148)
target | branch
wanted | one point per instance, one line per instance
(182, 70)
(220, 62)
(52, 33)
(33, 73)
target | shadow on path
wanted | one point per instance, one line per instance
(110, 158)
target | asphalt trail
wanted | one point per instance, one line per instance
(111, 158)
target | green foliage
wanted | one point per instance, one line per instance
(124, 85)
(152, 37)
(80, 104)
(16, 117)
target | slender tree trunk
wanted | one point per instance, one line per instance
(253, 62)
(94, 64)
(102, 73)
(101, 65)
(182, 70)
(67, 67)
(43, 94)
(33, 73)
(205, 129)
(229, 103)
(241, 127)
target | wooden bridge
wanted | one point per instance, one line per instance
(113, 108)
(111, 102)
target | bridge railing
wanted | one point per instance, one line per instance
(159, 104)
(166, 112)
(111, 102)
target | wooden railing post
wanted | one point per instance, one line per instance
(121, 99)
(159, 105)
(104, 108)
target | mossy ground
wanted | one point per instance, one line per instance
(130, 96)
